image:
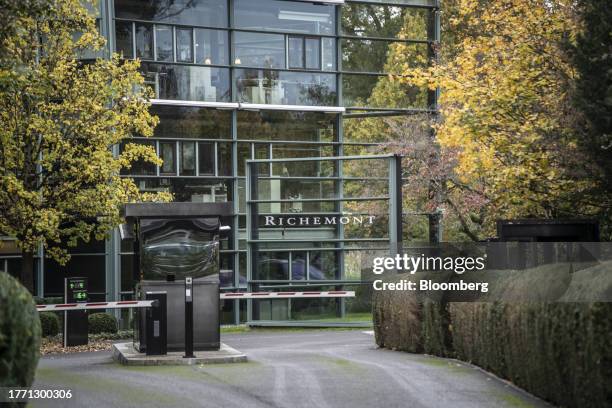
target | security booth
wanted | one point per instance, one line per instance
(176, 245)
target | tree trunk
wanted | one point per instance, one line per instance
(27, 270)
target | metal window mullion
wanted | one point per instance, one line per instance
(174, 45)
(178, 150)
(158, 148)
(197, 159)
(134, 56)
(154, 42)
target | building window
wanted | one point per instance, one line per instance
(184, 44)
(167, 152)
(144, 41)
(206, 159)
(164, 49)
(259, 50)
(304, 52)
(290, 16)
(188, 159)
(211, 47)
(212, 13)
(124, 39)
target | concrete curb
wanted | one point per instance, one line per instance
(124, 353)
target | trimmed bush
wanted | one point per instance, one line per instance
(102, 323)
(49, 323)
(19, 334)
(561, 351)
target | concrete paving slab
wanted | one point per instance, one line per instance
(126, 354)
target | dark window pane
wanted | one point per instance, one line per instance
(144, 41)
(190, 83)
(285, 88)
(313, 53)
(301, 17)
(295, 126)
(167, 152)
(189, 189)
(259, 50)
(206, 159)
(211, 47)
(184, 44)
(224, 159)
(296, 52)
(385, 21)
(187, 158)
(244, 153)
(192, 122)
(163, 43)
(188, 12)
(124, 44)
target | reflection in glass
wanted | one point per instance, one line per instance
(123, 39)
(179, 248)
(259, 50)
(144, 41)
(275, 15)
(385, 21)
(313, 53)
(188, 189)
(206, 159)
(298, 265)
(272, 266)
(191, 122)
(296, 52)
(164, 43)
(211, 47)
(285, 88)
(329, 54)
(279, 125)
(184, 44)
(167, 152)
(380, 91)
(224, 159)
(244, 153)
(382, 56)
(192, 83)
(188, 12)
(187, 158)
(323, 265)
(262, 151)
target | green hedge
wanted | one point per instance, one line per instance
(102, 323)
(49, 323)
(19, 334)
(559, 351)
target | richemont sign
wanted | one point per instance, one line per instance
(305, 221)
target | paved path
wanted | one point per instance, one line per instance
(286, 369)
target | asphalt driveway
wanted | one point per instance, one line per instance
(319, 368)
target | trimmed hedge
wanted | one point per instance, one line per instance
(19, 334)
(102, 323)
(49, 323)
(561, 351)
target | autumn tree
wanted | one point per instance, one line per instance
(60, 116)
(506, 104)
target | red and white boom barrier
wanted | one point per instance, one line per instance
(288, 295)
(228, 295)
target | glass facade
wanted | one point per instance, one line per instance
(252, 53)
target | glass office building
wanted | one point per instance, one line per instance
(256, 79)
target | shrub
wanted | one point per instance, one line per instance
(19, 334)
(102, 323)
(49, 323)
(559, 351)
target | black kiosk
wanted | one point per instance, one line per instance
(175, 244)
